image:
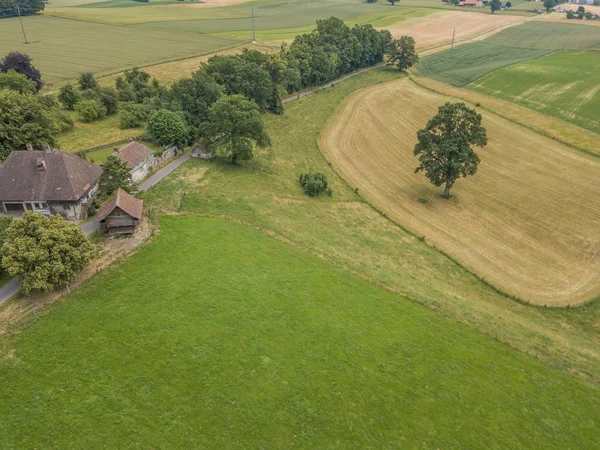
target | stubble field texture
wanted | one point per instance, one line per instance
(528, 222)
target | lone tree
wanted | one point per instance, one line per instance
(549, 4)
(46, 252)
(21, 63)
(115, 174)
(495, 5)
(444, 145)
(393, 2)
(402, 52)
(236, 126)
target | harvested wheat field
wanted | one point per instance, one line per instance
(436, 29)
(209, 4)
(528, 222)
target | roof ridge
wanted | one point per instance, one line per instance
(62, 154)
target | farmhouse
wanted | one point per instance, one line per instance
(200, 152)
(49, 182)
(121, 214)
(472, 3)
(139, 159)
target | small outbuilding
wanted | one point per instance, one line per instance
(199, 152)
(138, 158)
(121, 214)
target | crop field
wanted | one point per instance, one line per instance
(62, 49)
(469, 62)
(273, 347)
(564, 85)
(528, 222)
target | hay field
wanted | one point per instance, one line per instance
(62, 49)
(528, 222)
(436, 29)
(564, 85)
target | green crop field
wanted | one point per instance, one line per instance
(62, 49)
(470, 62)
(564, 85)
(217, 336)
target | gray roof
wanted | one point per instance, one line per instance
(37, 176)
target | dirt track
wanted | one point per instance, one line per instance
(527, 222)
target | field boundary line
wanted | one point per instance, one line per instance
(499, 114)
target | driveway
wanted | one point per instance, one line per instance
(158, 176)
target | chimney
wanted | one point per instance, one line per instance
(29, 147)
(41, 164)
(47, 149)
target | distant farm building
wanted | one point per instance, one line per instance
(48, 182)
(121, 214)
(199, 152)
(581, 2)
(139, 159)
(471, 3)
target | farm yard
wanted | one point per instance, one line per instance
(319, 293)
(504, 223)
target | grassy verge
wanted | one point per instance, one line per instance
(349, 232)
(4, 278)
(216, 335)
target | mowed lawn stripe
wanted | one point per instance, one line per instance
(62, 49)
(217, 336)
(528, 222)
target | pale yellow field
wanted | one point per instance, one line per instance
(436, 29)
(528, 222)
(209, 4)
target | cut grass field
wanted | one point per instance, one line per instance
(468, 63)
(528, 222)
(62, 49)
(564, 85)
(274, 348)
(347, 231)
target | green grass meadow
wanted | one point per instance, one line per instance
(470, 62)
(564, 84)
(62, 49)
(217, 336)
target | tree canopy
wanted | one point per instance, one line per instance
(402, 52)
(444, 146)
(115, 174)
(167, 127)
(21, 63)
(17, 82)
(235, 127)
(495, 5)
(46, 252)
(8, 8)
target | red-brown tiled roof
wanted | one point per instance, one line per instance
(37, 176)
(127, 202)
(134, 153)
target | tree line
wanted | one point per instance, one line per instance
(8, 8)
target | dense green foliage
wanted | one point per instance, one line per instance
(90, 110)
(29, 119)
(132, 115)
(17, 82)
(402, 52)
(495, 5)
(87, 81)
(292, 349)
(69, 96)
(8, 8)
(115, 175)
(235, 126)
(46, 252)
(444, 146)
(167, 127)
(21, 63)
(467, 63)
(5, 222)
(314, 184)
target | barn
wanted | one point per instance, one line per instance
(121, 214)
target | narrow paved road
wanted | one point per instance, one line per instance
(12, 287)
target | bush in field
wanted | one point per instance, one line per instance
(69, 96)
(90, 110)
(46, 252)
(17, 82)
(314, 184)
(21, 63)
(167, 127)
(132, 115)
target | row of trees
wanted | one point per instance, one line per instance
(8, 8)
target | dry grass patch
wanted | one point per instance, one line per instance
(436, 29)
(210, 4)
(528, 222)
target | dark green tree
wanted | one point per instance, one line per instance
(549, 4)
(69, 96)
(90, 110)
(402, 52)
(444, 146)
(8, 8)
(17, 82)
(109, 98)
(167, 127)
(393, 2)
(87, 81)
(236, 127)
(115, 174)
(46, 252)
(5, 222)
(133, 115)
(21, 63)
(495, 5)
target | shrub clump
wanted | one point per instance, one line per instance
(314, 184)
(90, 110)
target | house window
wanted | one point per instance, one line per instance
(40, 206)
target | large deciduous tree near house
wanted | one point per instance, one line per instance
(444, 146)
